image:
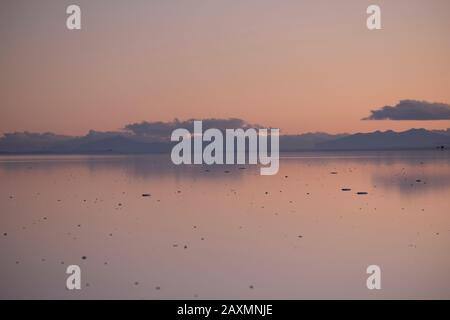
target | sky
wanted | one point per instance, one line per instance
(300, 66)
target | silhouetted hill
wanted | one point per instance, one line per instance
(125, 142)
(411, 139)
(112, 144)
(306, 141)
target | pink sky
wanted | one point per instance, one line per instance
(297, 65)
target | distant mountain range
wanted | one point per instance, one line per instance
(411, 139)
(125, 142)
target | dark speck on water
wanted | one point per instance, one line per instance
(362, 193)
(346, 189)
(84, 257)
(146, 194)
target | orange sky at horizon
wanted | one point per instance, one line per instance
(301, 66)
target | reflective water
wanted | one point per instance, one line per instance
(226, 231)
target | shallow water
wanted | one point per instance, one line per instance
(206, 233)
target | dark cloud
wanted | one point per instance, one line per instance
(412, 110)
(161, 129)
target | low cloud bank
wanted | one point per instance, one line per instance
(412, 110)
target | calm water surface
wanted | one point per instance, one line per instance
(225, 231)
